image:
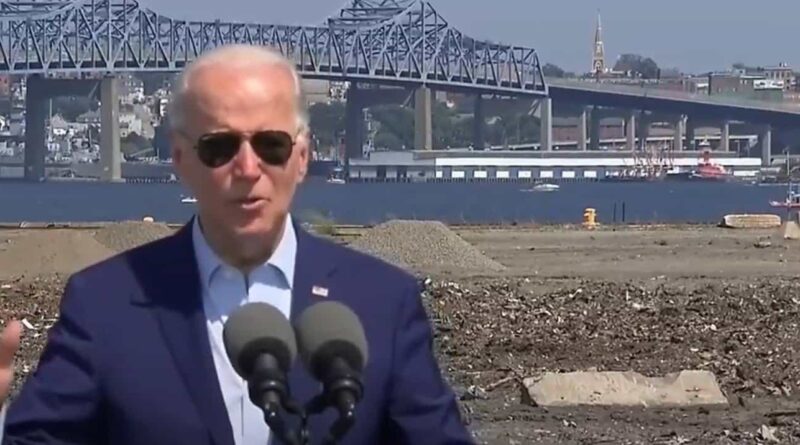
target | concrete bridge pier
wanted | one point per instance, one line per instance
(630, 131)
(479, 124)
(643, 130)
(766, 145)
(353, 124)
(725, 136)
(678, 135)
(423, 127)
(546, 123)
(691, 125)
(35, 115)
(594, 129)
(110, 153)
(582, 130)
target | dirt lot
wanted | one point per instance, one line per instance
(652, 300)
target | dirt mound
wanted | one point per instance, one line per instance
(48, 252)
(421, 245)
(129, 234)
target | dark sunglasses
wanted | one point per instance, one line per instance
(274, 147)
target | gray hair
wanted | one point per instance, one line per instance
(237, 54)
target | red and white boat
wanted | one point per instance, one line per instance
(792, 201)
(709, 171)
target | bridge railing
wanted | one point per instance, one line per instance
(652, 90)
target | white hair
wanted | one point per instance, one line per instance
(242, 56)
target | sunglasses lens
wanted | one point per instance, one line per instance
(273, 147)
(217, 149)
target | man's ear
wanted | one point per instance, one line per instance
(303, 156)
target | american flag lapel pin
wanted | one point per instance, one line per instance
(319, 291)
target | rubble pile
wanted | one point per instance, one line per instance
(421, 245)
(49, 252)
(129, 234)
(746, 333)
(35, 303)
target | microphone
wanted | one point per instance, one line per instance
(333, 348)
(261, 346)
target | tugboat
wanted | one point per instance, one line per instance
(707, 170)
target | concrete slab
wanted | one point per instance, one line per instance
(751, 221)
(791, 230)
(686, 388)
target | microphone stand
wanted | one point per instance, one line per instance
(272, 403)
(341, 392)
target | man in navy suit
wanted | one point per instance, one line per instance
(136, 356)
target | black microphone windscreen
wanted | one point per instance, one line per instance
(330, 329)
(256, 328)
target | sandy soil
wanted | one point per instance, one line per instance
(741, 281)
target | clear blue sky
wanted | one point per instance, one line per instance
(692, 35)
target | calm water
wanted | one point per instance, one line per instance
(372, 203)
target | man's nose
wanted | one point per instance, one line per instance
(247, 163)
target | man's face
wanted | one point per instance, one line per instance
(245, 196)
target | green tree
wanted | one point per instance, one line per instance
(551, 70)
(395, 127)
(645, 67)
(327, 122)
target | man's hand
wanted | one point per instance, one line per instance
(9, 343)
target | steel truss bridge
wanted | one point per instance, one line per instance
(403, 42)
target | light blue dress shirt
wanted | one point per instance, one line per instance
(224, 289)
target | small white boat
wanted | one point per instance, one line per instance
(188, 199)
(336, 181)
(545, 188)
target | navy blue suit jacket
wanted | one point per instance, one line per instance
(129, 361)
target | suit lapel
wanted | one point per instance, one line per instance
(314, 267)
(172, 284)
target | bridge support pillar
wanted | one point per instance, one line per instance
(110, 154)
(479, 125)
(423, 128)
(582, 129)
(766, 145)
(594, 131)
(630, 131)
(725, 137)
(644, 131)
(35, 116)
(546, 123)
(690, 133)
(353, 124)
(678, 135)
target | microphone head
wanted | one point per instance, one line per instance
(327, 330)
(257, 328)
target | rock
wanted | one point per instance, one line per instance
(687, 388)
(748, 221)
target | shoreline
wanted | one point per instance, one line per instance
(42, 225)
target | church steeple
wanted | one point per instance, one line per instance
(598, 57)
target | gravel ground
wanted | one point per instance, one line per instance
(648, 301)
(424, 246)
(491, 333)
(125, 235)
